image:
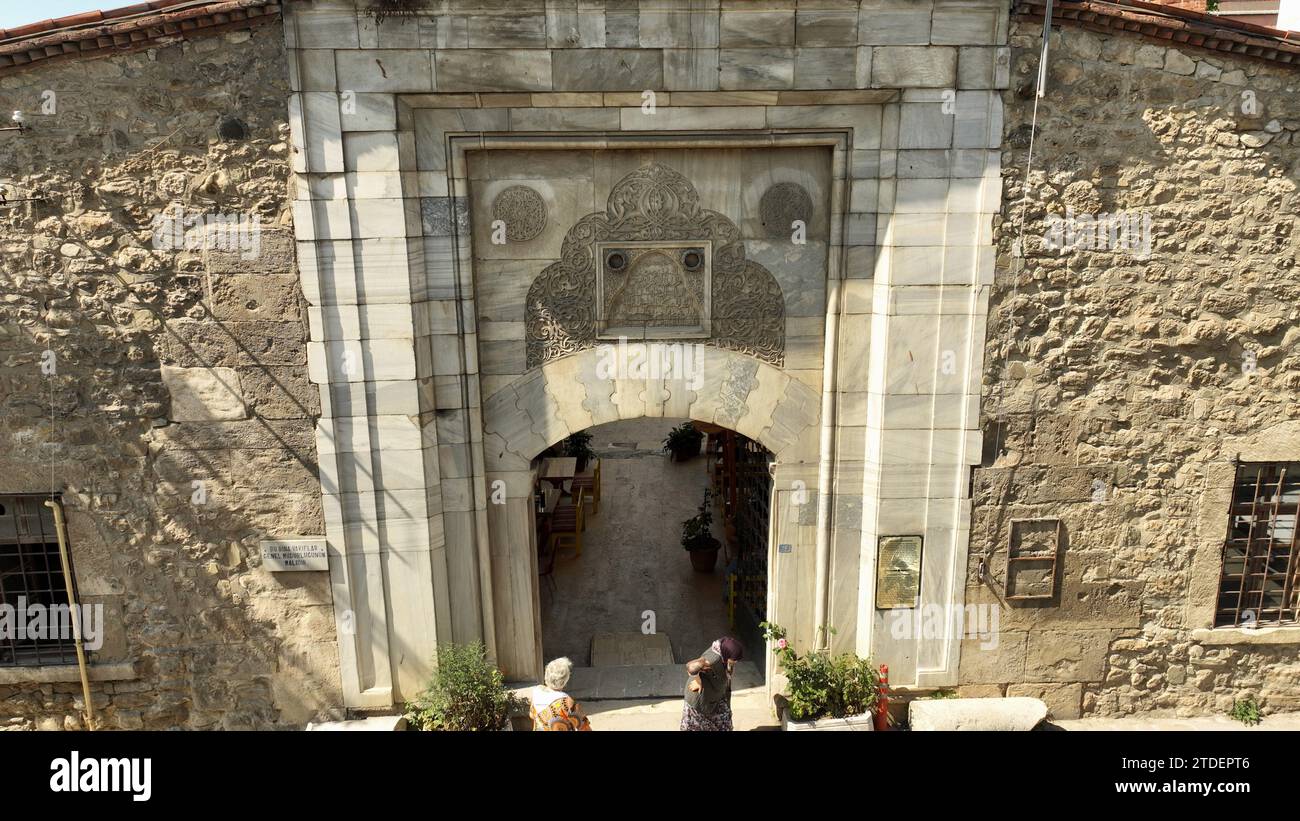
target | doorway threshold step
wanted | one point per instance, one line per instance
(630, 649)
(646, 681)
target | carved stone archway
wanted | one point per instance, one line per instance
(573, 393)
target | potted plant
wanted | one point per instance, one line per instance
(465, 693)
(578, 445)
(697, 536)
(683, 442)
(825, 691)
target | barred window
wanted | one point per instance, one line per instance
(1258, 582)
(31, 583)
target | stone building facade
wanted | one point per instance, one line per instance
(812, 197)
(177, 418)
(1120, 387)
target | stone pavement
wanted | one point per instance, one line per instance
(1280, 721)
(749, 710)
(632, 559)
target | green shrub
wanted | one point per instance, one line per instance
(465, 693)
(1247, 711)
(822, 685)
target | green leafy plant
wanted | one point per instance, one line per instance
(578, 445)
(937, 694)
(466, 692)
(683, 440)
(697, 531)
(823, 685)
(1247, 711)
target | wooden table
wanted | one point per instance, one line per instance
(559, 470)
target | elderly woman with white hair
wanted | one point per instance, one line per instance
(551, 707)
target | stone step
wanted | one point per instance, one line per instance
(647, 681)
(630, 650)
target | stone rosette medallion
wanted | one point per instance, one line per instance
(781, 205)
(655, 204)
(522, 210)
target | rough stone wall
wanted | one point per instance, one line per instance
(173, 367)
(1115, 385)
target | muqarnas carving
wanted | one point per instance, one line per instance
(653, 205)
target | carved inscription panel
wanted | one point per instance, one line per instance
(654, 264)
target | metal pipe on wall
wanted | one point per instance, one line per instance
(60, 529)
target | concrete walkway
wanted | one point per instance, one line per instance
(632, 559)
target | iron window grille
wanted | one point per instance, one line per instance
(31, 571)
(1258, 583)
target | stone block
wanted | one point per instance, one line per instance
(909, 26)
(913, 67)
(690, 69)
(682, 24)
(755, 68)
(995, 714)
(826, 27)
(964, 26)
(1066, 655)
(1064, 701)
(825, 67)
(513, 30)
(254, 296)
(368, 112)
(607, 69)
(203, 394)
(997, 662)
(328, 28)
(400, 70)
(279, 392)
(748, 28)
(494, 70)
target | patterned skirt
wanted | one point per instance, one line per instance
(718, 721)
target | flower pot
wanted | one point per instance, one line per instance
(704, 560)
(682, 453)
(859, 723)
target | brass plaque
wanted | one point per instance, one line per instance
(898, 572)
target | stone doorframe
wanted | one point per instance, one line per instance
(739, 392)
(404, 467)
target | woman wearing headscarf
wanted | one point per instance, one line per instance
(550, 706)
(708, 687)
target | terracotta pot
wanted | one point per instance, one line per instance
(704, 560)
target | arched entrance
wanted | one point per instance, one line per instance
(622, 592)
(580, 391)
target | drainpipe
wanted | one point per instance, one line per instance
(826, 460)
(61, 530)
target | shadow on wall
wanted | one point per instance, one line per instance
(178, 421)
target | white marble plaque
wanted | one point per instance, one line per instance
(286, 555)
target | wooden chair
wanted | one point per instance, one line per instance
(568, 521)
(590, 482)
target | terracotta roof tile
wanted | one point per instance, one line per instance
(130, 28)
(1174, 25)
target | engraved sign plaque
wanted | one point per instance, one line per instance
(653, 290)
(898, 572)
(287, 555)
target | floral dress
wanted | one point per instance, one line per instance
(709, 710)
(555, 710)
